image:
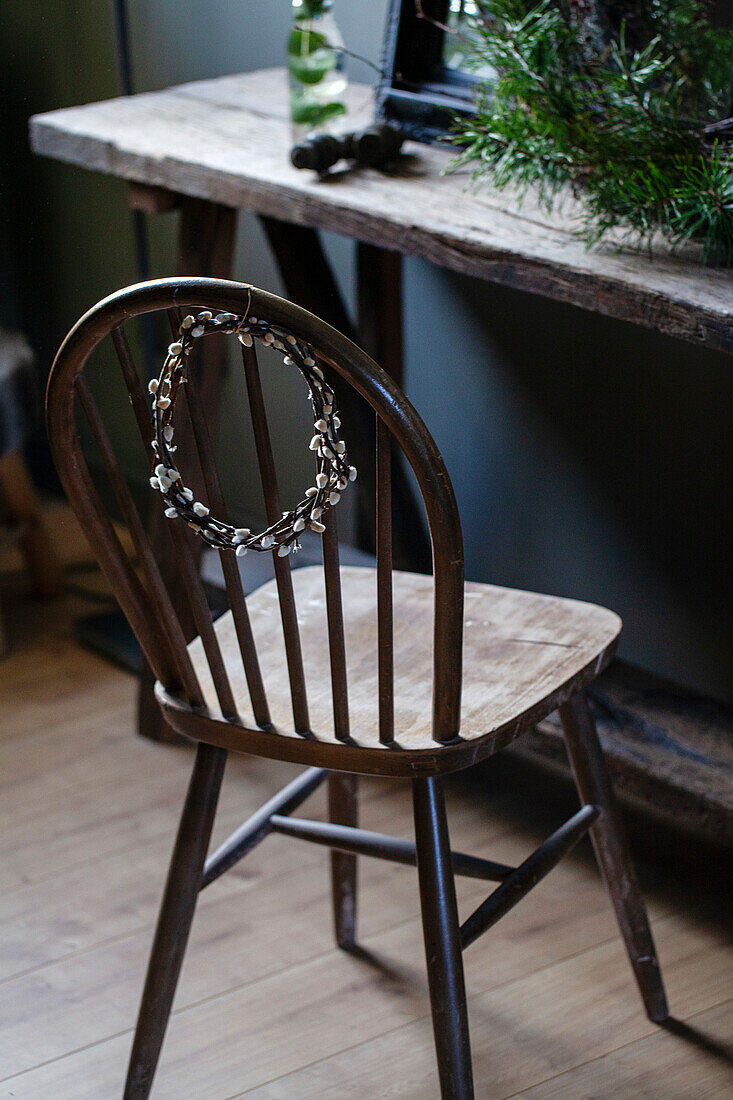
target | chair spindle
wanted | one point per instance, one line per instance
(140, 405)
(283, 577)
(181, 541)
(385, 635)
(154, 585)
(232, 578)
(336, 638)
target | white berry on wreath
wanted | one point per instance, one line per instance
(332, 469)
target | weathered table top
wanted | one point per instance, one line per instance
(227, 140)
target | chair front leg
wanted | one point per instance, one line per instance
(344, 810)
(612, 852)
(442, 941)
(174, 921)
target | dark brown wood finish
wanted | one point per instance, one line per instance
(268, 476)
(176, 914)
(215, 656)
(342, 789)
(442, 941)
(186, 550)
(232, 579)
(519, 883)
(205, 246)
(188, 566)
(343, 810)
(385, 639)
(372, 384)
(335, 616)
(151, 723)
(256, 828)
(380, 332)
(134, 388)
(344, 838)
(612, 853)
(154, 585)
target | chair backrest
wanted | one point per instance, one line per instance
(143, 584)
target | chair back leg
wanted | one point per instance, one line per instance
(174, 922)
(343, 810)
(612, 852)
(442, 941)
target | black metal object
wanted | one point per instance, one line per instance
(256, 828)
(528, 874)
(417, 90)
(375, 147)
(395, 850)
(442, 941)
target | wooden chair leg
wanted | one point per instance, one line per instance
(343, 810)
(176, 915)
(442, 941)
(612, 853)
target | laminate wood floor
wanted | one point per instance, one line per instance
(267, 1007)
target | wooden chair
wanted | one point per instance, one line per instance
(349, 671)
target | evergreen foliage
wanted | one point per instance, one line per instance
(623, 101)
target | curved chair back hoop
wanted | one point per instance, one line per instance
(142, 594)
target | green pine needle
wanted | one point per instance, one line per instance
(617, 114)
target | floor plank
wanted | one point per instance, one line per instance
(697, 1058)
(523, 1031)
(267, 1007)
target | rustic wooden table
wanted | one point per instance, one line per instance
(226, 142)
(216, 146)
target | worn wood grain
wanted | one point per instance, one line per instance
(338, 1022)
(521, 1031)
(519, 649)
(252, 906)
(697, 1057)
(227, 141)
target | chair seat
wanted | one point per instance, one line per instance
(523, 654)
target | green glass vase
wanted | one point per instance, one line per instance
(317, 80)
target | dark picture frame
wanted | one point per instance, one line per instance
(417, 89)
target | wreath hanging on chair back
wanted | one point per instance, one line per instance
(333, 472)
(627, 102)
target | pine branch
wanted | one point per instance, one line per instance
(620, 100)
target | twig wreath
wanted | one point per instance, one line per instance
(333, 471)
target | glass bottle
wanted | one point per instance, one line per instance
(315, 70)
